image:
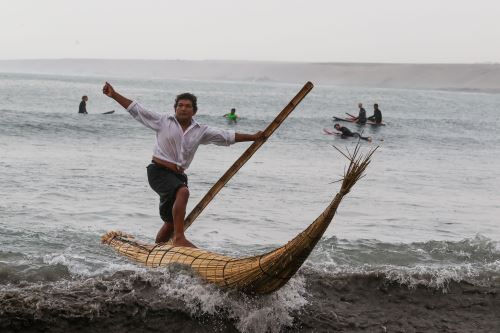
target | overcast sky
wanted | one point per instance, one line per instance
(423, 31)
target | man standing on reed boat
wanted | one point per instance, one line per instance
(177, 139)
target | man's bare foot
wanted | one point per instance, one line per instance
(182, 241)
(165, 233)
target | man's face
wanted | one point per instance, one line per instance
(184, 110)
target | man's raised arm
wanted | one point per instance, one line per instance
(240, 137)
(109, 91)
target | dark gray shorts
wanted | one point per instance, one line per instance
(165, 182)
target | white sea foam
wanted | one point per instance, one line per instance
(252, 314)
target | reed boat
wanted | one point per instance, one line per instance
(259, 274)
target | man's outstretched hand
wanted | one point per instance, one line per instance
(259, 136)
(108, 90)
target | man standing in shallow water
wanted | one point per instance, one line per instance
(177, 139)
(82, 108)
(231, 117)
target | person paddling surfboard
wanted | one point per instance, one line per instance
(347, 133)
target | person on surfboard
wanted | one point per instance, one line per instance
(231, 116)
(82, 108)
(361, 118)
(377, 115)
(177, 139)
(347, 133)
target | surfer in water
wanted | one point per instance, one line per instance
(231, 116)
(377, 114)
(83, 105)
(361, 118)
(177, 139)
(347, 133)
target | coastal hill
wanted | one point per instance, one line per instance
(463, 77)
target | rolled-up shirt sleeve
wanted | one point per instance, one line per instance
(218, 137)
(148, 118)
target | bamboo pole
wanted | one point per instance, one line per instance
(246, 155)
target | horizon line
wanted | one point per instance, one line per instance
(256, 61)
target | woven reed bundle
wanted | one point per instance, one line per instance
(260, 274)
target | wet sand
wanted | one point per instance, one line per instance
(340, 304)
(372, 304)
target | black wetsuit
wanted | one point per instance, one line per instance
(377, 116)
(362, 116)
(347, 133)
(83, 107)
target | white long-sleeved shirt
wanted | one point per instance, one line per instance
(172, 143)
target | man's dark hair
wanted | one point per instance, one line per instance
(84, 96)
(376, 105)
(189, 97)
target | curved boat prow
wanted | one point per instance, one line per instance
(278, 266)
(260, 274)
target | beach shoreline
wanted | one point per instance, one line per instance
(448, 77)
(350, 303)
(376, 304)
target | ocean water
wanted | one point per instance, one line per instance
(425, 216)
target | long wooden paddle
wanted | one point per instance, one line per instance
(246, 155)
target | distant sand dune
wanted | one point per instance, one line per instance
(464, 77)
